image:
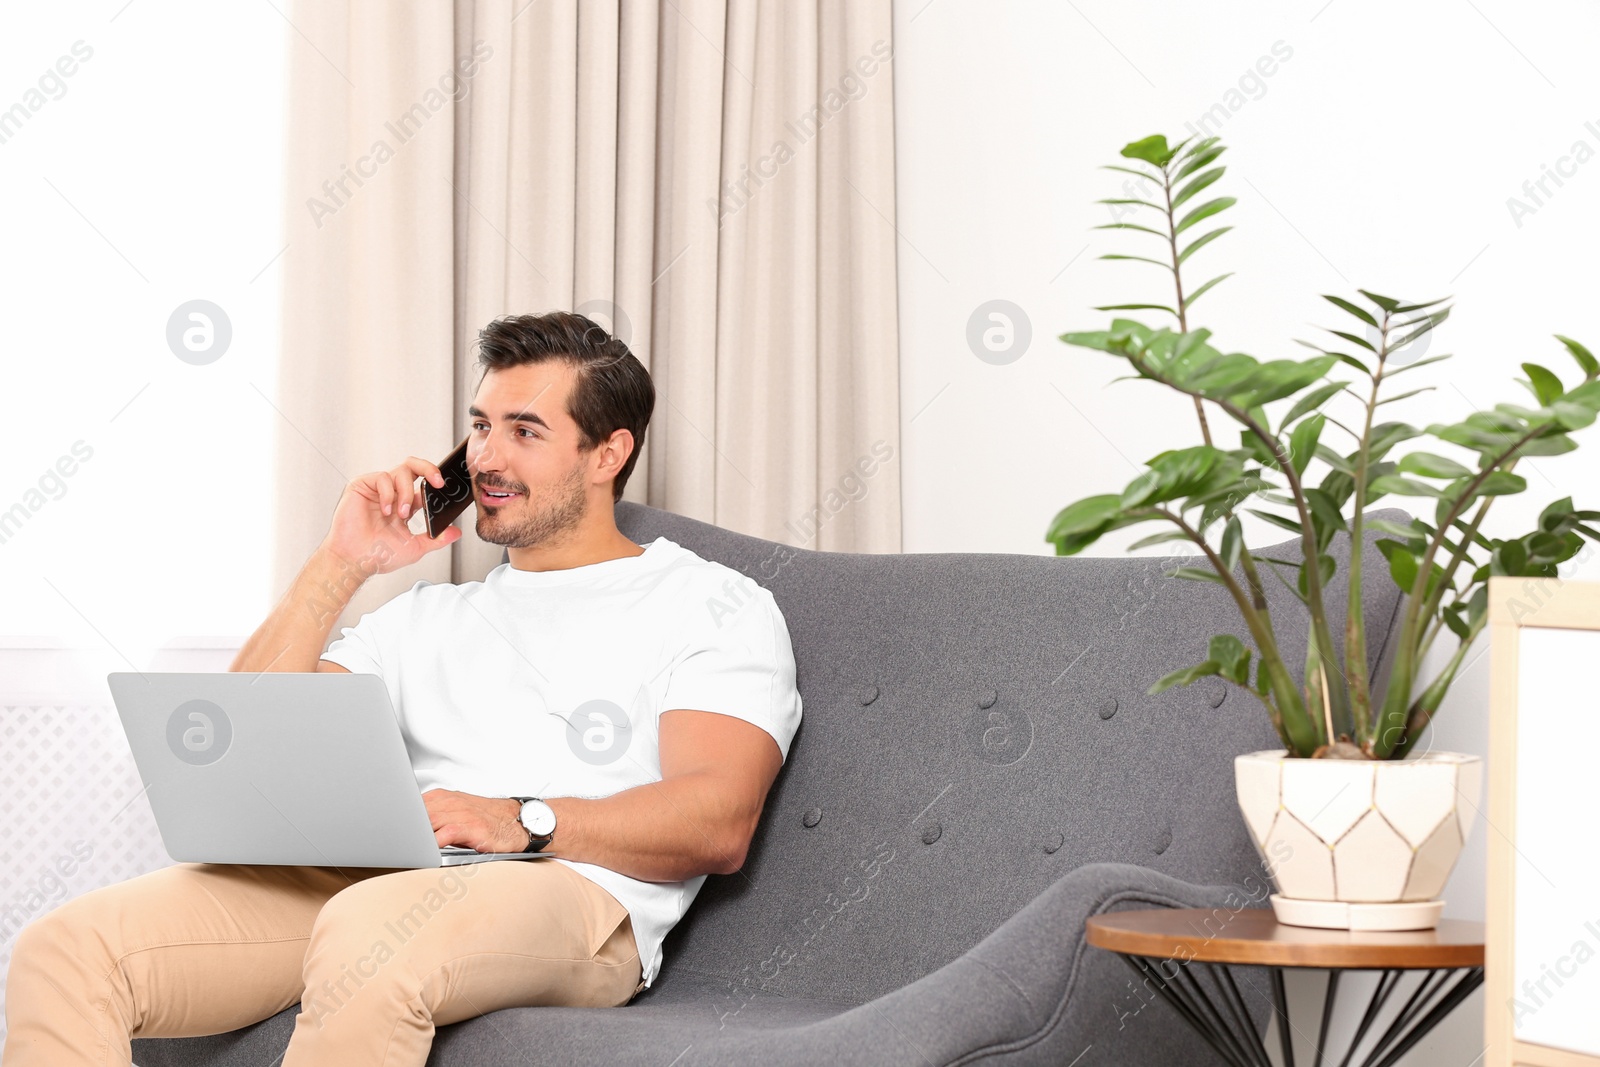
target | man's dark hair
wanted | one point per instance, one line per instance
(613, 390)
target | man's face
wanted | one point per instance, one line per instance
(524, 443)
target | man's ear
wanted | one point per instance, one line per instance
(620, 446)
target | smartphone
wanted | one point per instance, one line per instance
(444, 503)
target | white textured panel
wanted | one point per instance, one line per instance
(1256, 781)
(1371, 862)
(74, 810)
(1557, 868)
(1328, 795)
(1416, 796)
(1302, 864)
(1435, 859)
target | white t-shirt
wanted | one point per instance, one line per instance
(550, 683)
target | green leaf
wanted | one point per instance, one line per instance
(1256, 449)
(1585, 358)
(1141, 259)
(1084, 515)
(1390, 372)
(1231, 657)
(1411, 534)
(1384, 302)
(1355, 340)
(1152, 149)
(1200, 183)
(1128, 200)
(1232, 543)
(1572, 416)
(1339, 464)
(1198, 293)
(1314, 399)
(1276, 520)
(1555, 513)
(1549, 445)
(1136, 307)
(1403, 487)
(1128, 226)
(1501, 483)
(1428, 323)
(1478, 606)
(1184, 677)
(1202, 241)
(1146, 175)
(1303, 442)
(1431, 466)
(1197, 574)
(1404, 396)
(1200, 158)
(1223, 374)
(1509, 558)
(1386, 435)
(1279, 378)
(1407, 309)
(1546, 386)
(1353, 309)
(1325, 515)
(1352, 361)
(1204, 211)
(1158, 539)
(1325, 569)
(1403, 565)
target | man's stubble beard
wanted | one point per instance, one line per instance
(543, 520)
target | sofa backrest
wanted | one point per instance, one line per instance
(976, 725)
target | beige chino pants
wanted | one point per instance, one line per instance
(376, 957)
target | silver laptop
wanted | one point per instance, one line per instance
(280, 768)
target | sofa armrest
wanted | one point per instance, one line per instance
(1034, 991)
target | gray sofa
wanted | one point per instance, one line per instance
(978, 771)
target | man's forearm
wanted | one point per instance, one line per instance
(663, 831)
(293, 637)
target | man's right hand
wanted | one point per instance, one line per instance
(366, 537)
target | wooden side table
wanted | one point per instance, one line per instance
(1183, 951)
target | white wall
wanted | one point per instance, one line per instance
(141, 172)
(1380, 154)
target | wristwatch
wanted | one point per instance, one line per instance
(539, 819)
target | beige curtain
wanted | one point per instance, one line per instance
(714, 179)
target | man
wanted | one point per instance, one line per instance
(592, 699)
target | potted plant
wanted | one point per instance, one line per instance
(1355, 834)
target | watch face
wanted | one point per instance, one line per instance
(538, 817)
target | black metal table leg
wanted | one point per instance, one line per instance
(1328, 995)
(1280, 1004)
(1223, 1018)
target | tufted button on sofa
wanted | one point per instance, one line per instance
(978, 770)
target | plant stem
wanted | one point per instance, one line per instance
(1289, 718)
(1320, 646)
(1355, 630)
(1397, 701)
(1177, 280)
(1258, 596)
(1421, 711)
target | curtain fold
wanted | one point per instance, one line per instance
(712, 179)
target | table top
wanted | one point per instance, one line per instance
(1254, 936)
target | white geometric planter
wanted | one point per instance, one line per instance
(1359, 844)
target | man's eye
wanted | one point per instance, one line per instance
(521, 429)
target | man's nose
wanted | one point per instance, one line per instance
(484, 460)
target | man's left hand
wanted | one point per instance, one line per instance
(486, 824)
